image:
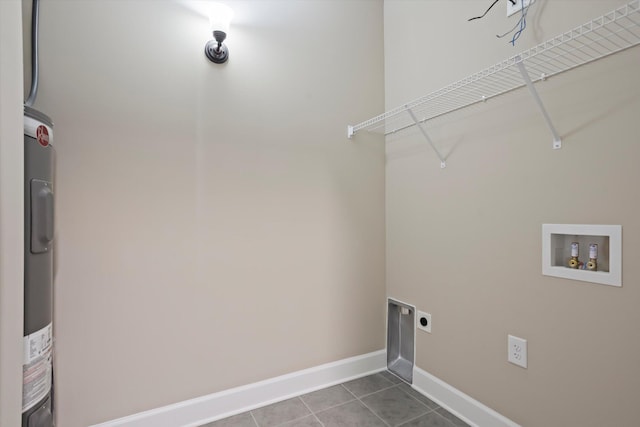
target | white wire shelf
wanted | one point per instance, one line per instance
(610, 33)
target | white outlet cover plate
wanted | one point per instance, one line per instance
(517, 351)
(419, 316)
(517, 7)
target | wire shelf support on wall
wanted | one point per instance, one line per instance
(608, 34)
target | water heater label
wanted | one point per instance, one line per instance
(38, 343)
(37, 367)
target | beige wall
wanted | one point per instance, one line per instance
(214, 225)
(11, 213)
(464, 243)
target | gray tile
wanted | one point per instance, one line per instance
(280, 413)
(421, 397)
(452, 418)
(432, 419)
(367, 385)
(309, 421)
(242, 420)
(327, 398)
(391, 377)
(394, 406)
(352, 414)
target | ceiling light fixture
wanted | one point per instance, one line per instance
(220, 17)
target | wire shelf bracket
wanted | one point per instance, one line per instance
(557, 142)
(610, 33)
(443, 163)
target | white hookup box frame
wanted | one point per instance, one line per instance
(556, 251)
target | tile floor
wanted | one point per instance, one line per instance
(380, 400)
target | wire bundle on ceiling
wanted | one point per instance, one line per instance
(518, 28)
(522, 23)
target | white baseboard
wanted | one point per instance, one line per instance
(201, 410)
(459, 404)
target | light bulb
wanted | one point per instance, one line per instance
(220, 16)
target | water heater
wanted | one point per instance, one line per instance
(37, 390)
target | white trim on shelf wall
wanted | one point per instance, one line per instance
(458, 403)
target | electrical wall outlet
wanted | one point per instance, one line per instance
(517, 5)
(517, 351)
(423, 321)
